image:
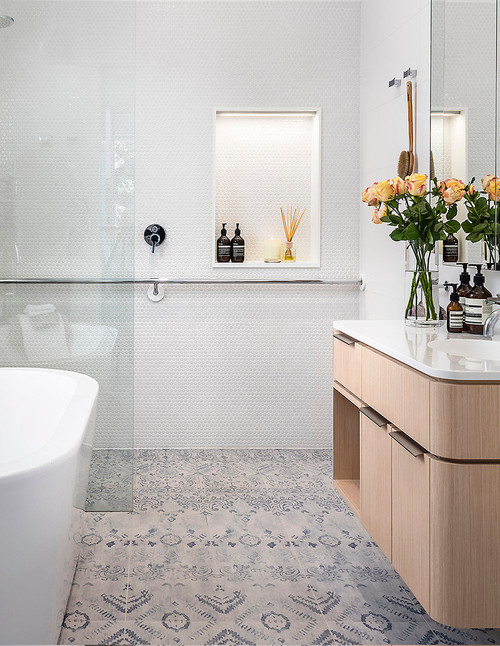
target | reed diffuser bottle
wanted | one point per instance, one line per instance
(290, 225)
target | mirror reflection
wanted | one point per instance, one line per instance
(463, 120)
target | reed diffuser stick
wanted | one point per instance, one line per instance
(291, 221)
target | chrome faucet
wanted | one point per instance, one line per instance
(490, 323)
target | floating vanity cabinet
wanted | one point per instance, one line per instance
(418, 460)
(375, 478)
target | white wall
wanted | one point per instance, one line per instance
(392, 39)
(239, 366)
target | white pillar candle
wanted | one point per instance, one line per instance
(272, 250)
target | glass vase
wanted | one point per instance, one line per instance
(422, 297)
(491, 252)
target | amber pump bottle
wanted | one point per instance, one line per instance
(223, 246)
(237, 246)
(455, 313)
(477, 309)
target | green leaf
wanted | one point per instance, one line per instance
(395, 219)
(411, 232)
(452, 212)
(396, 235)
(452, 226)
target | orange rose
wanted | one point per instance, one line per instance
(493, 189)
(453, 194)
(399, 185)
(472, 190)
(486, 180)
(378, 213)
(369, 195)
(417, 184)
(454, 190)
(385, 191)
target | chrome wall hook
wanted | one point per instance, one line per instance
(409, 73)
(394, 82)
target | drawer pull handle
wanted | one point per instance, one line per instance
(344, 338)
(373, 416)
(408, 444)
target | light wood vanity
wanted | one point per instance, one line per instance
(418, 460)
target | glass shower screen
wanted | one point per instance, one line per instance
(67, 211)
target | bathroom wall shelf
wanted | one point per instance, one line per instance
(266, 159)
(252, 264)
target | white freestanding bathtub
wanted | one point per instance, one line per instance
(45, 415)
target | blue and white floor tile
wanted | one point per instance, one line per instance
(240, 547)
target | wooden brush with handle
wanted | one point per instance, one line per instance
(406, 158)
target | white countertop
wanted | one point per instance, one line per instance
(414, 347)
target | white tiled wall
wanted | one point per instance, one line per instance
(214, 366)
(392, 39)
(242, 366)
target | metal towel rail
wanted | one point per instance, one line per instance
(176, 281)
(156, 290)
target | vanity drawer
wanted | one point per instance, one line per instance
(416, 406)
(465, 421)
(347, 362)
(465, 548)
(382, 385)
(410, 518)
(375, 479)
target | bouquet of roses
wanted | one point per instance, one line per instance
(403, 204)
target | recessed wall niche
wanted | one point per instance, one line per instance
(264, 160)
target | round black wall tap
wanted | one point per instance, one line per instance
(154, 235)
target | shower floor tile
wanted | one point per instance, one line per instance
(240, 547)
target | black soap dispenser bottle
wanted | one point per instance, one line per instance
(450, 249)
(477, 309)
(455, 313)
(237, 246)
(223, 246)
(464, 288)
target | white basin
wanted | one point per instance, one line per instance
(473, 349)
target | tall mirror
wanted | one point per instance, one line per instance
(463, 116)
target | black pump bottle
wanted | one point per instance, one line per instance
(223, 246)
(464, 288)
(237, 246)
(477, 309)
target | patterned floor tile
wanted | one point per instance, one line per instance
(166, 499)
(110, 480)
(238, 547)
(78, 630)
